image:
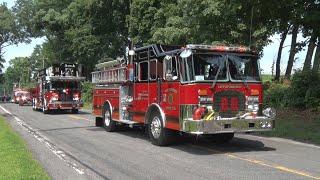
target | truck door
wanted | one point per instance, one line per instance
(170, 89)
(141, 91)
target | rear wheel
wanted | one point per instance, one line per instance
(158, 134)
(108, 123)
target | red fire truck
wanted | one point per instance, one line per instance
(59, 88)
(25, 98)
(197, 89)
(18, 94)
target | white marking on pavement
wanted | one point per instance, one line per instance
(53, 148)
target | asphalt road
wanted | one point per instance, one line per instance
(69, 146)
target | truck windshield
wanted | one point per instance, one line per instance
(57, 85)
(243, 68)
(210, 67)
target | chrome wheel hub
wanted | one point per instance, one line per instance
(155, 127)
(107, 118)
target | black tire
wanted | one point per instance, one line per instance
(99, 122)
(45, 111)
(108, 124)
(158, 134)
(34, 105)
(75, 111)
(222, 138)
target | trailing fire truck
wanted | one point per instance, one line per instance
(19, 94)
(197, 89)
(25, 98)
(59, 88)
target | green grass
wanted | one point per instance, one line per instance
(266, 77)
(16, 162)
(297, 125)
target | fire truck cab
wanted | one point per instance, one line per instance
(59, 88)
(197, 89)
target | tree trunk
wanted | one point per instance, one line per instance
(283, 38)
(311, 46)
(316, 61)
(293, 50)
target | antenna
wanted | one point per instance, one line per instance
(251, 26)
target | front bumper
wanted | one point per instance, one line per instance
(228, 125)
(68, 105)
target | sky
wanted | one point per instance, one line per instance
(269, 52)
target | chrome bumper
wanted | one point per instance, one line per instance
(65, 105)
(228, 125)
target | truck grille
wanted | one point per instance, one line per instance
(229, 103)
(66, 97)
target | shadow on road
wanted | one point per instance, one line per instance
(66, 128)
(59, 112)
(200, 145)
(204, 145)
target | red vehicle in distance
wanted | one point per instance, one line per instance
(59, 88)
(25, 98)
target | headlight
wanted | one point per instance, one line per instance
(129, 99)
(253, 103)
(269, 112)
(76, 97)
(54, 98)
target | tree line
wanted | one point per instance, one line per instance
(82, 31)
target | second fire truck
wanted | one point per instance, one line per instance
(197, 89)
(59, 88)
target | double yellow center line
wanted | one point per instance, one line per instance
(262, 163)
(78, 117)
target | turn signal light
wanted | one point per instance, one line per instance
(202, 92)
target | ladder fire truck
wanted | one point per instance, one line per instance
(197, 89)
(59, 88)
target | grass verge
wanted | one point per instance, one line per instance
(297, 125)
(16, 161)
(87, 106)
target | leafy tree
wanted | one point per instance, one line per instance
(19, 71)
(201, 21)
(10, 32)
(78, 31)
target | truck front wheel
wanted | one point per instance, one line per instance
(44, 110)
(108, 123)
(158, 134)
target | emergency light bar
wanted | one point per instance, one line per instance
(240, 49)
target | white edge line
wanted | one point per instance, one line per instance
(41, 138)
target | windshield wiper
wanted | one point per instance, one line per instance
(216, 78)
(243, 80)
